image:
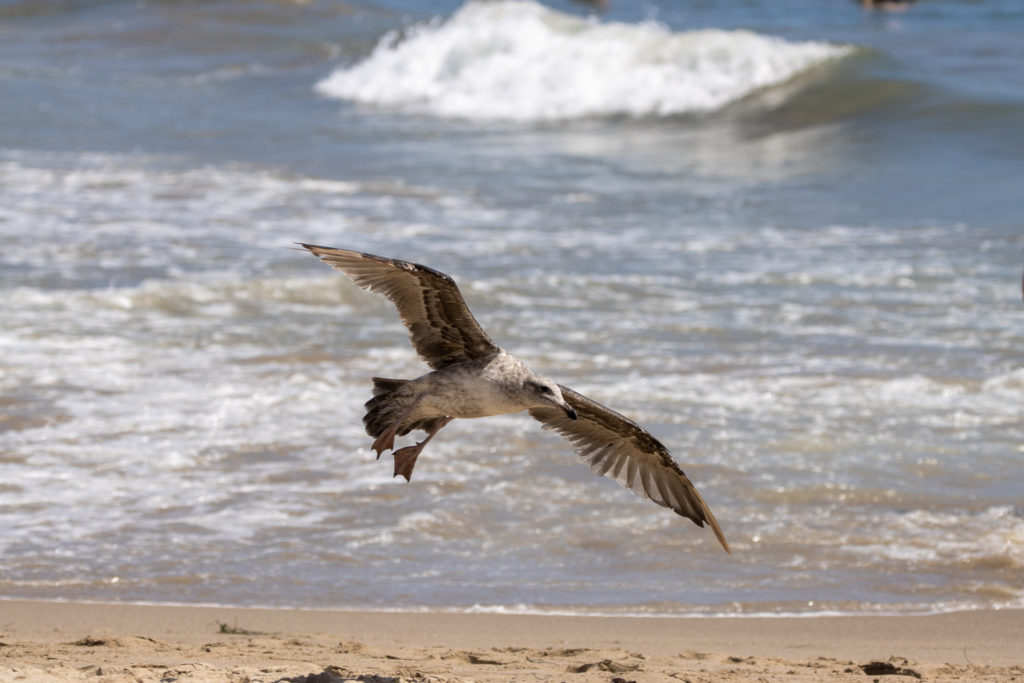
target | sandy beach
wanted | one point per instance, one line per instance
(46, 641)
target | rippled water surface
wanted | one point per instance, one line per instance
(785, 239)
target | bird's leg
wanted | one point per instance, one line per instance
(405, 458)
(386, 440)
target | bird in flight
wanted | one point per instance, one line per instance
(474, 377)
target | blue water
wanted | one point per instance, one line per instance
(784, 236)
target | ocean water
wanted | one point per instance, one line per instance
(787, 237)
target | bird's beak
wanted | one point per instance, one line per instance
(569, 411)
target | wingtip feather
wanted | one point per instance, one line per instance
(713, 523)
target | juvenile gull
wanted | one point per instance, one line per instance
(474, 377)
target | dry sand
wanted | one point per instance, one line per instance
(44, 641)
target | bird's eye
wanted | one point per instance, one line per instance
(545, 389)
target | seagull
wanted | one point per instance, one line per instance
(474, 377)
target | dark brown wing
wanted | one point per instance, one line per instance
(619, 448)
(441, 328)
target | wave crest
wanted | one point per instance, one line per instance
(517, 60)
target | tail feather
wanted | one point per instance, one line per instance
(386, 406)
(383, 385)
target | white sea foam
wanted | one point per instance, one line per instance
(520, 61)
(210, 384)
(938, 537)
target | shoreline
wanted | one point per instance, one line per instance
(65, 641)
(505, 610)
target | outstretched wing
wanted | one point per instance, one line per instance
(441, 328)
(619, 448)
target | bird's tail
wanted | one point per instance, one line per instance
(383, 385)
(389, 404)
(386, 406)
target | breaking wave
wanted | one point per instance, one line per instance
(517, 60)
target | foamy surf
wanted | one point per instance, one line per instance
(520, 61)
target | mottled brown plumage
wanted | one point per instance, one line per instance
(474, 377)
(441, 328)
(616, 447)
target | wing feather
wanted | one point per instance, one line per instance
(657, 487)
(616, 447)
(441, 327)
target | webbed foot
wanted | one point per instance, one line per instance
(405, 460)
(384, 442)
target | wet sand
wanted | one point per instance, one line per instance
(44, 641)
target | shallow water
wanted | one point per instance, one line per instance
(808, 288)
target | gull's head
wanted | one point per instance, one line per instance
(543, 392)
